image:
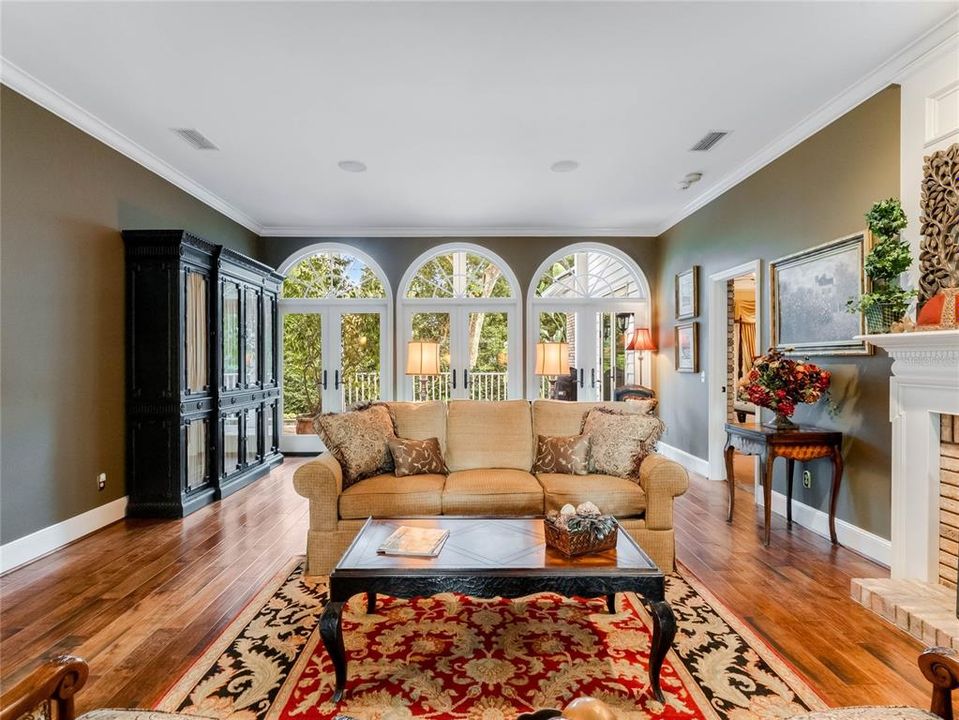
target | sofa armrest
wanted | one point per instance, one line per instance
(321, 481)
(56, 681)
(662, 480)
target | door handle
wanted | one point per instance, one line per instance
(324, 379)
(454, 379)
(336, 379)
(466, 379)
(581, 378)
(592, 377)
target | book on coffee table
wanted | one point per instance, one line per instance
(414, 542)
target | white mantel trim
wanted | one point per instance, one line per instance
(924, 383)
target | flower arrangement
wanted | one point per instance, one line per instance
(780, 384)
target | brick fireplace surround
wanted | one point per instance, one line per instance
(920, 594)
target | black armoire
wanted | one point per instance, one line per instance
(202, 382)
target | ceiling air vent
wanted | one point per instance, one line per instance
(195, 138)
(708, 140)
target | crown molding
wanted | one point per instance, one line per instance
(46, 97)
(939, 39)
(326, 231)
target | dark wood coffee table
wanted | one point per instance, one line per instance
(492, 557)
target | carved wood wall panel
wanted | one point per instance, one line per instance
(939, 223)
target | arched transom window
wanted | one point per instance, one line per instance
(459, 274)
(590, 274)
(331, 274)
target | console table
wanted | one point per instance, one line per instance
(802, 443)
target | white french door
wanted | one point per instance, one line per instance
(595, 332)
(335, 355)
(476, 341)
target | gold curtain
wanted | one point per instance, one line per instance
(196, 332)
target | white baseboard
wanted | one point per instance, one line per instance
(688, 461)
(850, 536)
(22, 550)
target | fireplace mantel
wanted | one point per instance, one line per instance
(924, 384)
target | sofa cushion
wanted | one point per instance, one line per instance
(492, 492)
(482, 434)
(560, 417)
(390, 496)
(420, 420)
(612, 495)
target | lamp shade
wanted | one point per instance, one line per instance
(422, 358)
(641, 339)
(552, 358)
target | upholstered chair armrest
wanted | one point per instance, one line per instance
(662, 480)
(56, 681)
(321, 481)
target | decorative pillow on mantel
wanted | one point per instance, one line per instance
(563, 455)
(359, 440)
(417, 457)
(619, 442)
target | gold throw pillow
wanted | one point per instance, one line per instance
(564, 455)
(359, 441)
(619, 442)
(417, 457)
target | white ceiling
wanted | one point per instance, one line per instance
(458, 109)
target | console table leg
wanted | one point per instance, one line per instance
(790, 469)
(370, 603)
(331, 631)
(767, 465)
(664, 630)
(834, 495)
(730, 480)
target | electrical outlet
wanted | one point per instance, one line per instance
(102, 481)
(807, 478)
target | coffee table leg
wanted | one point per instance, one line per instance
(331, 630)
(370, 603)
(611, 603)
(664, 630)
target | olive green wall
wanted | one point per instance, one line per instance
(815, 193)
(64, 197)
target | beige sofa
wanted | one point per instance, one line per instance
(489, 449)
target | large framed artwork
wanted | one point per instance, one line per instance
(687, 293)
(686, 347)
(808, 297)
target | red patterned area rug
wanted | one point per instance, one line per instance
(449, 656)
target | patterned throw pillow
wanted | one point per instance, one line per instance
(359, 441)
(645, 406)
(417, 457)
(565, 455)
(620, 441)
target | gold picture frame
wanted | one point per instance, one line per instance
(686, 293)
(686, 347)
(808, 294)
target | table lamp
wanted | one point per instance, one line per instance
(423, 361)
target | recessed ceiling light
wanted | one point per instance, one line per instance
(352, 165)
(564, 166)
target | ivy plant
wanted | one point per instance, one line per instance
(889, 258)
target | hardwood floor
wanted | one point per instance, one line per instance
(141, 599)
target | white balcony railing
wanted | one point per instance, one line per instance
(482, 386)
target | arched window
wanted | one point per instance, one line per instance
(591, 297)
(335, 313)
(465, 299)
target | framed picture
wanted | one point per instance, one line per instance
(686, 346)
(808, 295)
(687, 293)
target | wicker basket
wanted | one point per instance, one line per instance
(581, 543)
